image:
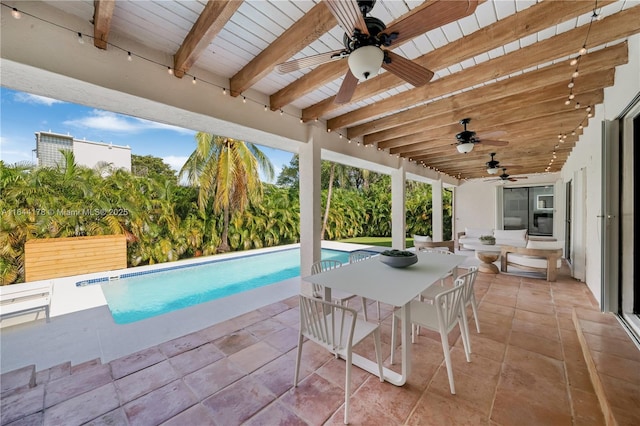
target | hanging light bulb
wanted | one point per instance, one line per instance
(567, 102)
(583, 50)
(575, 74)
(281, 112)
(193, 81)
(571, 96)
(267, 108)
(573, 61)
(129, 57)
(301, 120)
(224, 90)
(244, 99)
(16, 13)
(570, 85)
(169, 71)
(577, 105)
(80, 39)
(588, 109)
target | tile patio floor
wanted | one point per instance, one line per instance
(527, 369)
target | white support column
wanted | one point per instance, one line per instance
(398, 215)
(436, 210)
(310, 202)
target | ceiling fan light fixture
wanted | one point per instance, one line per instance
(493, 170)
(365, 62)
(465, 148)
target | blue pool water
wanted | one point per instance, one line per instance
(146, 295)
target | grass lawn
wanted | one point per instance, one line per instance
(375, 241)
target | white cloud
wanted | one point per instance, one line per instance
(103, 120)
(176, 162)
(109, 121)
(28, 98)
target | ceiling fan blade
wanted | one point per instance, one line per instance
(409, 71)
(347, 13)
(496, 134)
(309, 61)
(494, 143)
(428, 16)
(346, 89)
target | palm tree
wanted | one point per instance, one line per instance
(227, 173)
(341, 172)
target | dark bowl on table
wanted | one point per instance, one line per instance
(398, 259)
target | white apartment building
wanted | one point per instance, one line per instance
(87, 153)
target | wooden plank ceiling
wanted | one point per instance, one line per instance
(504, 64)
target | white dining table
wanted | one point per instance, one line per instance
(374, 280)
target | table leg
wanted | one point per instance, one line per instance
(487, 259)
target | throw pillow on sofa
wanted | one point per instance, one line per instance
(477, 232)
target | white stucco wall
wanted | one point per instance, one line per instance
(587, 154)
(476, 201)
(91, 153)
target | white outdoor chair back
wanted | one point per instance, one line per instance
(359, 255)
(321, 266)
(441, 317)
(469, 296)
(337, 329)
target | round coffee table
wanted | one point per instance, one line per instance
(486, 254)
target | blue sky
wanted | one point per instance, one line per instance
(23, 114)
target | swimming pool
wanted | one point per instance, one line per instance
(135, 296)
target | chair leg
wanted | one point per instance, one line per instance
(474, 306)
(298, 357)
(378, 307)
(347, 388)
(464, 329)
(447, 360)
(466, 342)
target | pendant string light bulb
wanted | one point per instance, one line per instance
(80, 39)
(129, 57)
(16, 13)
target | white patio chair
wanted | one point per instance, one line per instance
(337, 296)
(358, 256)
(441, 250)
(469, 297)
(337, 329)
(441, 317)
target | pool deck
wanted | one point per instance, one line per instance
(528, 368)
(82, 328)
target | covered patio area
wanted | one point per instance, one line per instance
(528, 367)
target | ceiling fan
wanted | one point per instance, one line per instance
(504, 177)
(366, 38)
(467, 138)
(493, 166)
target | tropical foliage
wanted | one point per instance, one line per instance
(165, 221)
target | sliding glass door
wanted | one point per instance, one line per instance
(529, 208)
